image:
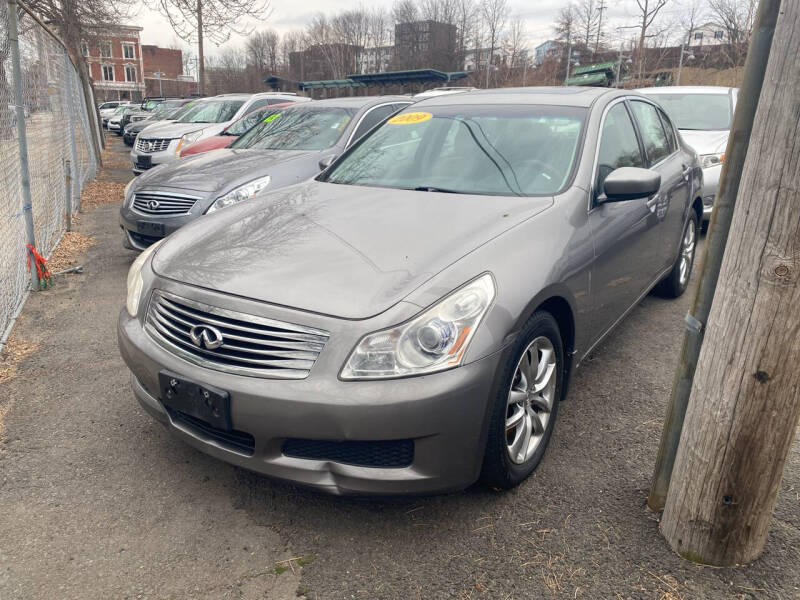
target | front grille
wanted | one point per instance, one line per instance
(150, 145)
(163, 203)
(250, 345)
(138, 118)
(238, 441)
(387, 454)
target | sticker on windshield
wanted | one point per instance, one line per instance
(272, 117)
(410, 118)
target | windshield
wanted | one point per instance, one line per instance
(492, 150)
(300, 128)
(211, 111)
(163, 109)
(249, 120)
(706, 112)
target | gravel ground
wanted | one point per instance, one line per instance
(99, 501)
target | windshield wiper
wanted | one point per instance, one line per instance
(428, 188)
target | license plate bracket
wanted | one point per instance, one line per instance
(149, 228)
(144, 161)
(201, 401)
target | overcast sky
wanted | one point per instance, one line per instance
(287, 15)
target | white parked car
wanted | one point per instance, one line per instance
(703, 115)
(161, 143)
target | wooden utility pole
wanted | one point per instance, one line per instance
(745, 400)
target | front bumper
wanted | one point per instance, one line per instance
(156, 158)
(444, 414)
(134, 240)
(114, 126)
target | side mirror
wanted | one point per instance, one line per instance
(326, 161)
(630, 183)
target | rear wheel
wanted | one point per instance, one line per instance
(525, 404)
(676, 282)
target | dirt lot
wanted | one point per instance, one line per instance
(99, 501)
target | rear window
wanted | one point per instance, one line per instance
(298, 128)
(704, 112)
(490, 150)
(211, 111)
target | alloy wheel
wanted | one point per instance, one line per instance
(687, 252)
(530, 400)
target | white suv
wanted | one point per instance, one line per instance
(206, 117)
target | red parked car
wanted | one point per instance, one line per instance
(234, 130)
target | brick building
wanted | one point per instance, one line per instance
(163, 72)
(115, 63)
(425, 45)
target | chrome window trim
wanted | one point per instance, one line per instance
(369, 110)
(654, 105)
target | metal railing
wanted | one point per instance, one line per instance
(47, 155)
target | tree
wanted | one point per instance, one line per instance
(565, 28)
(736, 17)
(648, 11)
(588, 21)
(196, 20)
(495, 14)
(744, 406)
(262, 51)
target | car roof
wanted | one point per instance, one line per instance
(563, 96)
(357, 101)
(687, 89)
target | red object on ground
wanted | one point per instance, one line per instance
(232, 131)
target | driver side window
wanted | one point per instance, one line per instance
(619, 146)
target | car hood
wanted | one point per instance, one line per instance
(345, 251)
(217, 170)
(212, 143)
(173, 129)
(705, 142)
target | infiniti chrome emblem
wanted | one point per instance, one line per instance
(206, 336)
(153, 204)
(150, 146)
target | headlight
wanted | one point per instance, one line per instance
(186, 139)
(434, 340)
(135, 281)
(711, 160)
(243, 192)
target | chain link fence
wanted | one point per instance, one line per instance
(54, 122)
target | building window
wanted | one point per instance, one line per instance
(698, 35)
(130, 73)
(108, 72)
(719, 34)
(105, 49)
(128, 51)
(84, 48)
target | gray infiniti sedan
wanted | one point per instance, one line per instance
(285, 148)
(408, 321)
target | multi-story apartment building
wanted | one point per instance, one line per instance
(115, 63)
(375, 60)
(425, 44)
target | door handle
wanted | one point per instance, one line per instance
(652, 202)
(686, 172)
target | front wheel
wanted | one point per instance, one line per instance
(676, 282)
(525, 404)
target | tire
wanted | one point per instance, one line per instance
(674, 284)
(502, 466)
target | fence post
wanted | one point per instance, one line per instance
(68, 200)
(73, 148)
(25, 174)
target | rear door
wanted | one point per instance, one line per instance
(626, 234)
(663, 156)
